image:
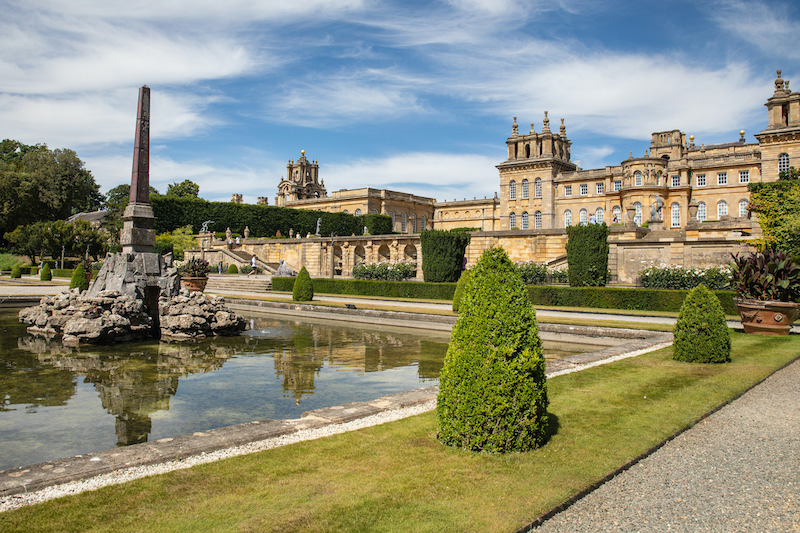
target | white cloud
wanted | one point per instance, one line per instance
(764, 25)
(589, 157)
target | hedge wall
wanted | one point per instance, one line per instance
(264, 221)
(587, 255)
(443, 254)
(389, 289)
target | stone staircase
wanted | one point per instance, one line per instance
(238, 283)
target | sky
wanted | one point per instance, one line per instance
(405, 95)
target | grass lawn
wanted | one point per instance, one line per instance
(397, 477)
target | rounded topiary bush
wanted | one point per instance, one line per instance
(16, 272)
(46, 274)
(459, 292)
(232, 269)
(492, 388)
(79, 279)
(303, 290)
(701, 333)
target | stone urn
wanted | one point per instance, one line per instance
(767, 317)
(194, 284)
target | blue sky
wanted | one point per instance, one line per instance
(407, 95)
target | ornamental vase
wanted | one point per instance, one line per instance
(767, 317)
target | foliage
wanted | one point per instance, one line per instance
(246, 269)
(37, 184)
(184, 189)
(443, 254)
(16, 272)
(79, 279)
(163, 248)
(46, 274)
(50, 238)
(701, 332)
(534, 273)
(492, 388)
(195, 268)
(619, 298)
(385, 271)
(303, 290)
(172, 212)
(558, 275)
(8, 261)
(791, 174)
(459, 292)
(768, 275)
(777, 205)
(233, 269)
(587, 255)
(181, 239)
(116, 201)
(387, 289)
(676, 277)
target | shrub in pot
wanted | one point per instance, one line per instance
(194, 274)
(768, 285)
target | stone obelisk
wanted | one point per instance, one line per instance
(138, 234)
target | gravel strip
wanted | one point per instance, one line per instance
(129, 474)
(737, 470)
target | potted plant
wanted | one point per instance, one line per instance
(768, 285)
(194, 274)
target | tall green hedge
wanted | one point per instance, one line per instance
(264, 221)
(386, 289)
(587, 255)
(443, 254)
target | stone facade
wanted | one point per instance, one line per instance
(301, 182)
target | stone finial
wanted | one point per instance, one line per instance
(563, 129)
(630, 156)
(779, 83)
(228, 233)
(741, 136)
(247, 232)
(532, 129)
(546, 124)
(515, 127)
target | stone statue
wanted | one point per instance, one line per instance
(204, 227)
(319, 223)
(655, 209)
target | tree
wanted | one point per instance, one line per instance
(87, 240)
(184, 189)
(777, 205)
(492, 388)
(181, 239)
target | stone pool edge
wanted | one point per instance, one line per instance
(32, 478)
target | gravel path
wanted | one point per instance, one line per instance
(738, 470)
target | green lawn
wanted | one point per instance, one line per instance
(397, 477)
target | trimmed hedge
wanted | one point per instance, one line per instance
(587, 255)
(303, 290)
(443, 254)
(388, 289)
(78, 279)
(46, 274)
(233, 269)
(701, 332)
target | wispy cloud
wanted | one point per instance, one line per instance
(765, 25)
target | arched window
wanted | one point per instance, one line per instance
(358, 212)
(527, 151)
(344, 211)
(584, 217)
(616, 214)
(525, 220)
(424, 223)
(537, 220)
(567, 218)
(599, 214)
(512, 221)
(637, 217)
(675, 215)
(783, 162)
(524, 189)
(512, 190)
(537, 188)
(722, 209)
(413, 224)
(701, 212)
(391, 214)
(743, 208)
(403, 223)
(637, 178)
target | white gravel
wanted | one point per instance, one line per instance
(15, 501)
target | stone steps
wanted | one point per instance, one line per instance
(239, 283)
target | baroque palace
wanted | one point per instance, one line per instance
(678, 203)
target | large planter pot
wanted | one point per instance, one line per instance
(767, 317)
(194, 284)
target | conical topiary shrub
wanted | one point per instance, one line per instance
(16, 272)
(459, 292)
(79, 279)
(303, 290)
(493, 389)
(701, 333)
(233, 269)
(46, 274)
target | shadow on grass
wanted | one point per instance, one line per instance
(551, 427)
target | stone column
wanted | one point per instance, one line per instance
(138, 233)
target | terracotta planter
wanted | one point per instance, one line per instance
(194, 284)
(767, 317)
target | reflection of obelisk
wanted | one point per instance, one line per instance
(138, 234)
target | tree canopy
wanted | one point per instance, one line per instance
(184, 189)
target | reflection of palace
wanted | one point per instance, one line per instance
(131, 387)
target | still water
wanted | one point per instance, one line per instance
(56, 402)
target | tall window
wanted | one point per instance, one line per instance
(701, 212)
(424, 223)
(600, 187)
(783, 162)
(637, 217)
(743, 208)
(722, 209)
(512, 221)
(701, 180)
(413, 224)
(537, 188)
(584, 217)
(675, 215)
(722, 178)
(744, 176)
(403, 223)
(391, 214)
(637, 178)
(537, 220)
(676, 181)
(599, 214)
(524, 189)
(512, 190)
(617, 185)
(616, 214)
(567, 190)
(584, 189)
(525, 220)
(567, 218)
